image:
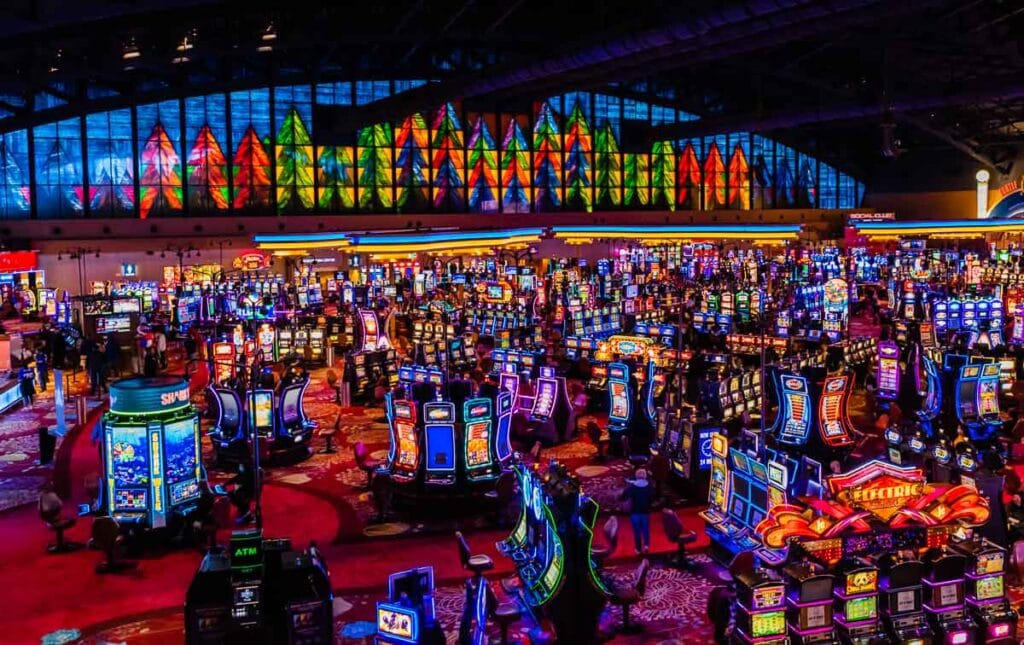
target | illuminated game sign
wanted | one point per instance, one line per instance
(888, 377)
(832, 410)
(796, 423)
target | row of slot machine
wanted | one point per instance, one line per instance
(440, 441)
(461, 353)
(368, 366)
(739, 303)
(596, 321)
(427, 330)
(295, 340)
(665, 334)
(736, 394)
(953, 314)
(489, 318)
(955, 593)
(751, 344)
(686, 445)
(705, 320)
(517, 361)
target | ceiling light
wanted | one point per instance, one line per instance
(130, 51)
(185, 44)
(55, 64)
(265, 48)
(270, 33)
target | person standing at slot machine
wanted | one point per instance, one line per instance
(639, 493)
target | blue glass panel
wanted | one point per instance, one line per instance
(405, 86)
(660, 115)
(334, 93)
(58, 159)
(14, 189)
(784, 178)
(635, 110)
(370, 91)
(111, 163)
(828, 187)
(608, 110)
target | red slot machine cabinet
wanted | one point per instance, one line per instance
(833, 422)
(404, 453)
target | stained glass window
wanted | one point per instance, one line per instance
(14, 184)
(578, 155)
(663, 175)
(636, 180)
(448, 167)
(334, 93)
(785, 176)
(294, 149)
(848, 197)
(159, 159)
(376, 152)
(483, 168)
(714, 172)
(250, 134)
(412, 143)
(688, 177)
(111, 164)
(547, 160)
(370, 91)
(608, 111)
(58, 159)
(738, 172)
(515, 169)
(206, 168)
(762, 171)
(607, 168)
(806, 182)
(828, 187)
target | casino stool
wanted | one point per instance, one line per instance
(661, 470)
(50, 511)
(600, 441)
(366, 463)
(328, 432)
(475, 564)
(627, 592)
(506, 614)
(676, 533)
(503, 493)
(601, 553)
(106, 535)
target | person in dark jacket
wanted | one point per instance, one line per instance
(94, 363)
(639, 492)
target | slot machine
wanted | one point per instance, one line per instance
(620, 398)
(809, 603)
(316, 344)
(505, 406)
(285, 343)
(955, 314)
(833, 423)
(985, 592)
(944, 597)
(439, 443)
(266, 342)
(940, 316)
(362, 379)
(856, 595)
(551, 401)
(760, 607)
(969, 314)
(301, 340)
(479, 455)
(404, 451)
(262, 413)
(888, 371)
(901, 593)
(794, 426)
(223, 362)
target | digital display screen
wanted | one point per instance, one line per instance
(478, 444)
(440, 447)
(544, 404)
(262, 409)
(989, 588)
(768, 597)
(127, 305)
(397, 622)
(988, 403)
(290, 400)
(989, 563)
(129, 463)
(494, 292)
(860, 582)
(620, 404)
(408, 452)
(113, 324)
(865, 608)
(181, 459)
(770, 623)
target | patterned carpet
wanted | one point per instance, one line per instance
(21, 477)
(337, 479)
(673, 611)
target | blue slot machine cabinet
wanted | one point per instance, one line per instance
(480, 461)
(620, 409)
(439, 442)
(888, 374)
(794, 425)
(151, 454)
(503, 437)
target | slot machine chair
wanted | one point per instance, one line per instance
(600, 553)
(600, 440)
(475, 564)
(628, 591)
(51, 513)
(106, 537)
(678, 535)
(365, 462)
(504, 492)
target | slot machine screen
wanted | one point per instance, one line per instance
(407, 450)
(290, 405)
(397, 622)
(865, 608)
(967, 391)
(987, 397)
(494, 292)
(477, 449)
(181, 459)
(816, 589)
(987, 563)
(989, 588)
(545, 402)
(620, 405)
(768, 597)
(441, 454)
(263, 409)
(769, 623)
(129, 467)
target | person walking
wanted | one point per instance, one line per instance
(42, 368)
(94, 363)
(639, 492)
(27, 389)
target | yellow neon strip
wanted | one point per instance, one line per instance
(972, 230)
(689, 236)
(380, 247)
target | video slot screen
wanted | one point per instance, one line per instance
(181, 459)
(129, 465)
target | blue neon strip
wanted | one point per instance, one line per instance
(301, 237)
(421, 238)
(966, 223)
(677, 229)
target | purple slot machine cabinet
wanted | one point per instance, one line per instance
(888, 375)
(986, 589)
(856, 597)
(760, 608)
(810, 603)
(503, 437)
(477, 423)
(551, 402)
(902, 599)
(508, 381)
(944, 598)
(404, 452)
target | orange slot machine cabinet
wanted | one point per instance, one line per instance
(404, 453)
(479, 454)
(223, 362)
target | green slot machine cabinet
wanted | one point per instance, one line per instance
(151, 454)
(478, 438)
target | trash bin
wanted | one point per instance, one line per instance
(47, 444)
